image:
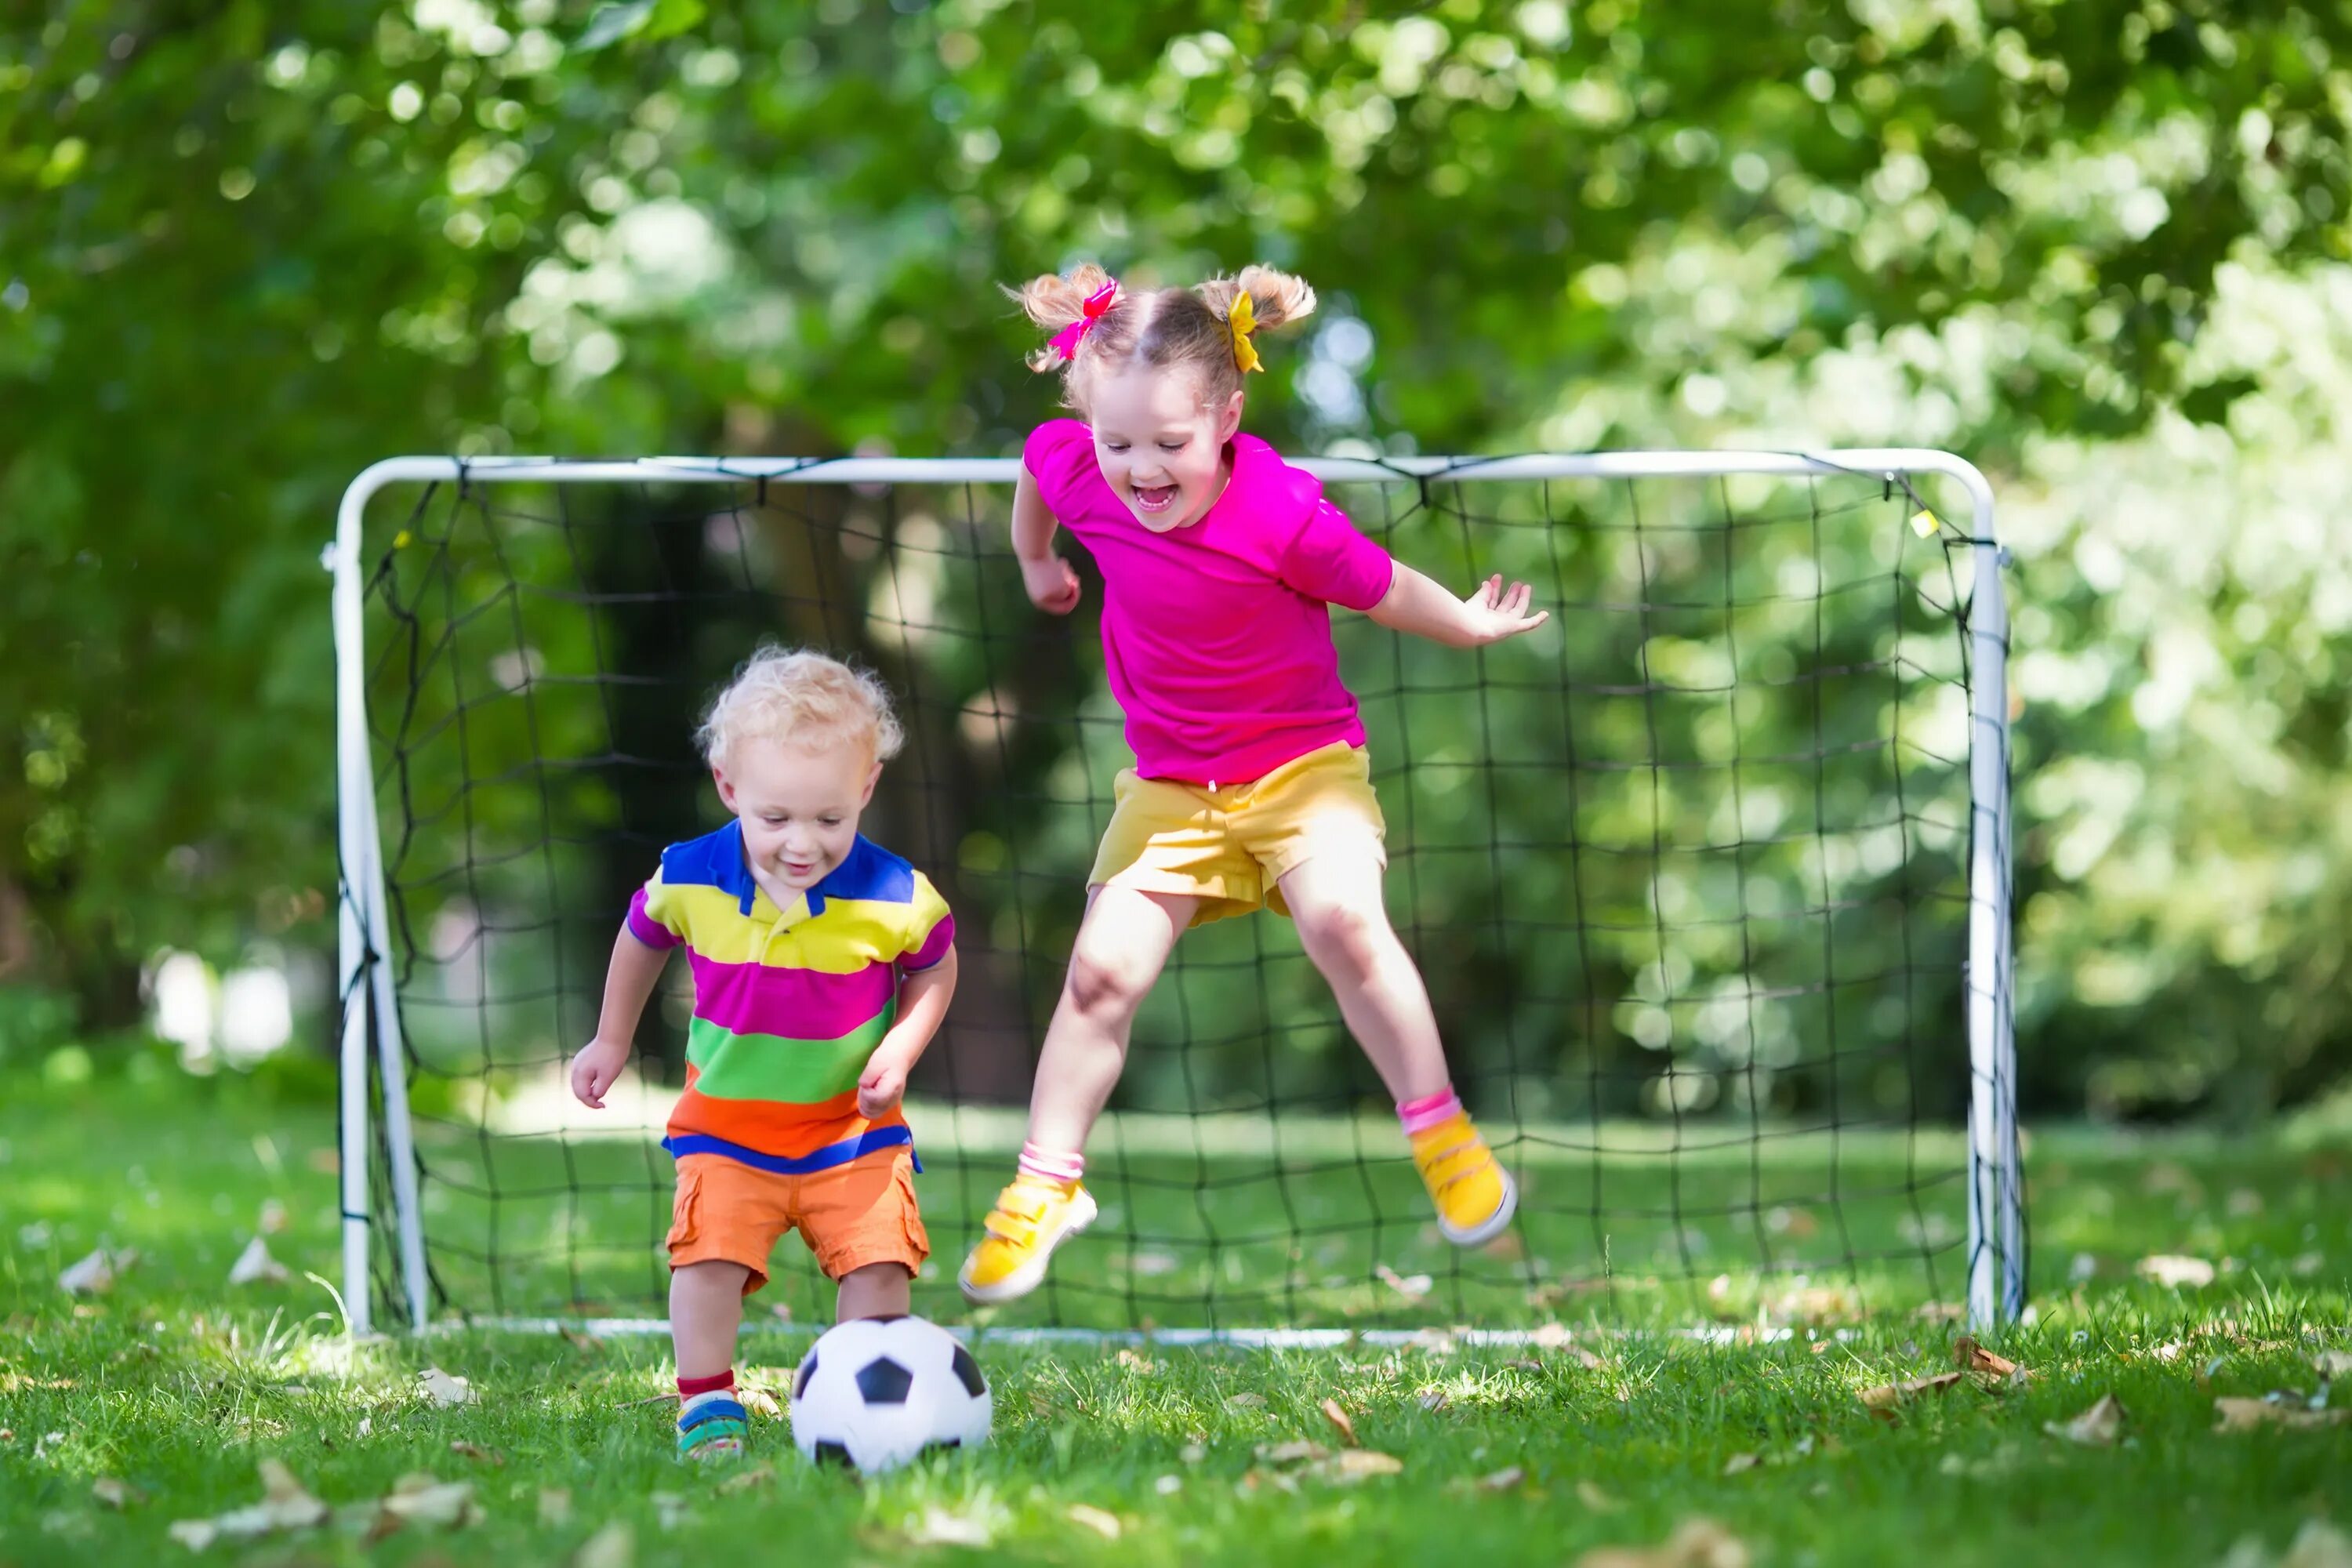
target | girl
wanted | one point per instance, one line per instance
(1251, 785)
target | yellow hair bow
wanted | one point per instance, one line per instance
(1242, 321)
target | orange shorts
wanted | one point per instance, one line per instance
(854, 1215)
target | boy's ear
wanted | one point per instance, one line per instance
(726, 790)
(873, 777)
(1230, 420)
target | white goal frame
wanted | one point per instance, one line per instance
(1996, 1232)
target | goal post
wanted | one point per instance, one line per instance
(1699, 1140)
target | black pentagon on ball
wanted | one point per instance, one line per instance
(884, 1381)
(967, 1372)
(832, 1453)
(808, 1369)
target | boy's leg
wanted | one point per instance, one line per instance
(1122, 945)
(706, 1313)
(877, 1290)
(1343, 923)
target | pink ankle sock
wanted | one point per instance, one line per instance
(1050, 1164)
(1420, 1115)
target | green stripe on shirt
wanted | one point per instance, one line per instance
(730, 1066)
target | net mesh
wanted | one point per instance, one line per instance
(1686, 873)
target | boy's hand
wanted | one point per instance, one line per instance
(1052, 585)
(595, 1069)
(880, 1088)
(1494, 613)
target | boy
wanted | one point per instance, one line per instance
(823, 964)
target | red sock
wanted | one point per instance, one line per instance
(687, 1387)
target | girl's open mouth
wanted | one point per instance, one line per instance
(1154, 499)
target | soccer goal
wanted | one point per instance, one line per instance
(1709, 879)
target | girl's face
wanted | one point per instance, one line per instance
(1161, 450)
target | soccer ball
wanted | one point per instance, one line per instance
(874, 1393)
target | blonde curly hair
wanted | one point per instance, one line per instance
(803, 698)
(1157, 327)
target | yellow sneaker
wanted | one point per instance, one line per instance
(1475, 1197)
(1031, 1217)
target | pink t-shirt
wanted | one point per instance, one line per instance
(1215, 634)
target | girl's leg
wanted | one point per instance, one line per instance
(877, 1290)
(1123, 944)
(1335, 900)
(705, 1310)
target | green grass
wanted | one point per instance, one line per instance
(180, 1386)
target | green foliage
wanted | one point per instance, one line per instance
(247, 248)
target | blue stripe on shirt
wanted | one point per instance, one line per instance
(824, 1159)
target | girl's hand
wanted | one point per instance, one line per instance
(1052, 585)
(1493, 613)
(595, 1069)
(880, 1088)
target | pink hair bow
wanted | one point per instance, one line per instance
(1066, 341)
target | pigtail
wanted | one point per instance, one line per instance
(1055, 301)
(1275, 298)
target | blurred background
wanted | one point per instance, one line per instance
(2101, 248)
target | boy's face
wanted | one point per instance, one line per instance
(1160, 448)
(799, 808)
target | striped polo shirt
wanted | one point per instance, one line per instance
(788, 1004)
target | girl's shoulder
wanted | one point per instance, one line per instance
(1060, 455)
(1278, 493)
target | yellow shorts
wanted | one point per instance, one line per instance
(851, 1216)
(1230, 846)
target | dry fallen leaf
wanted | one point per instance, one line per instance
(443, 1390)
(1433, 1400)
(759, 1401)
(1102, 1522)
(1291, 1453)
(95, 1275)
(465, 1450)
(615, 1546)
(284, 1505)
(554, 1508)
(2333, 1365)
(1411, 1287)
(2318, 1544)
(255, 1265)
(1970, 1356)
(1338, 1419)
(1595, 1499)
(116, 1493)
(2246, 1414)
(938, 1527)
(1501, 1480)
(1134, 1361)
(1352, 1465)
(1883, 1400)
(1245, 1402)
(1739, 1462)
(1696, 1543)
(420, 1499)
(2096, 1428)
(273, 1217)
(2177, 1272)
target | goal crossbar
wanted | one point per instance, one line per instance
(1995, 1238)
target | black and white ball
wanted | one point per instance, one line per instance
(874, 1393)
